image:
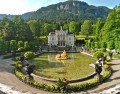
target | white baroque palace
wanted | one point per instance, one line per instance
(61, 38)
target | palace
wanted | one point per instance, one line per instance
(61, 38)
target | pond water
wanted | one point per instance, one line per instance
(77, 66)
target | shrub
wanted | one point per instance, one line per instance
(18, 66)
(103, 49)
(26, 45)
(98, 54)
(111, 45)
(103, 45)
(21, 49)
(29, 55)
(97, 45)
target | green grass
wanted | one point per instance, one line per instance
(75, 67)
(83, 37)
(44, 39)
(116, 55)
(78, 37)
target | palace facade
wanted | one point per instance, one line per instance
(61, 38)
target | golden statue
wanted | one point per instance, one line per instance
(62, 55)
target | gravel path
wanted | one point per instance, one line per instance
(8, 78)
(111, 85)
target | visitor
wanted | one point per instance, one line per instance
(98, 66)
(104, 59)
(110, 54)
(99, 62)
(98, 70)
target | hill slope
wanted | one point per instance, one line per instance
(68, 10)
(65, 11)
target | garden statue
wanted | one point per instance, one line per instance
(98, 70)
(62, 55)
(29, 69)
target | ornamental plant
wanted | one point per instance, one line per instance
(29, 55)
(20, 49)
(98, 54)
(62, 84)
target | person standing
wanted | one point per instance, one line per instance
(110, 54)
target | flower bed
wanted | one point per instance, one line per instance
(56, 88)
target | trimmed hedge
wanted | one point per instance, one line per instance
(55, 88)
(98, 54)
(39, 85)
(91, 83)
(29, 54)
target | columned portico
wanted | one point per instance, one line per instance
(61, 43)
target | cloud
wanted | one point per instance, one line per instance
(13, 6)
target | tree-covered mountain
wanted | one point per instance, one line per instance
(69, 10)
(66, 11)
(5, 15)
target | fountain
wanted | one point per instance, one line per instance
(62, 56)
(74, 66)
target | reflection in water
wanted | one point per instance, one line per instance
(61, 61)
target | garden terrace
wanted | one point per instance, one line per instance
(75, 87)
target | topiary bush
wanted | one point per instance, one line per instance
(98, 54)
(21, 49)
(103, 49)
(29, 55)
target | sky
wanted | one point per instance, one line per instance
(23, 6)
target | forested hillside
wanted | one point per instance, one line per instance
(69, 10)
(8, 16)
(107, 34)
(65, 12)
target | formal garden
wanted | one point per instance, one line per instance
(89, 66)
(61, 74)
(63, 82)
